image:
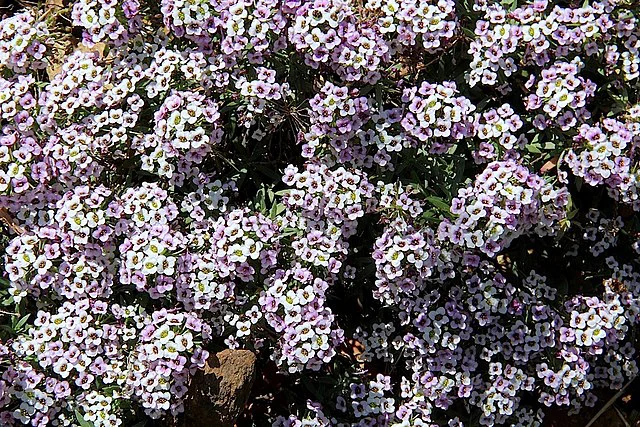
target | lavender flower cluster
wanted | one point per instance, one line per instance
(506, 201)
(415, 213)
(24, 42)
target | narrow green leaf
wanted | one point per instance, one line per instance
(81, 420)
(439, 203)
(533, 148)
(21, 322)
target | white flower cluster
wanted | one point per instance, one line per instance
(187, 127)
(98, 410)
(370, 400)
(435, 112)
(99, 19)
(23, 42)
(260, 93)
(414, 21)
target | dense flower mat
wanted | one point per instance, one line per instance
(421, 213)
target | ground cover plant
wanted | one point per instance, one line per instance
(415, 213)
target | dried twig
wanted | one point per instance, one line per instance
(9, 221)
(609, 403)
(621, 416)
(8, 313)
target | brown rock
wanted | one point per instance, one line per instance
(219, 392)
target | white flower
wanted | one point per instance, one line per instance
(149, 265)
(387, 25)
(24, 413)
(598, 335)
(584, 337)
(243, 328)
(62, 368)
(305, 331)
(314, 39)
(237, 253)
(152, 351)
(252, 248)
(185, 340)
(134, 260)
(166, 265)
(304, 353)
(162, 400)
(164, 334)
(290, 300)
(4, 181)
(171, 350)
(15, 170)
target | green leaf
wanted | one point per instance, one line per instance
(469, 33)
(260, 200)
(439, 203)
(289, 232)
(430, 218)
(533, 148)
(535, 138)
(365, 90)
(81, 420)
(572, 213)
(276, 210)
(21, 323)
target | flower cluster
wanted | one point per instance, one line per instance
(404, 257)
(80, 83)
(358, 47)
(187, 129)
(435, 115)
(88, 347)
(345, 128)
(147, 245)
(166, 355)
(23, 42)
(328, 32)
(327, 203)
(497, 129)
(336, 118)
(68, 256)
(23, 173)
(408, 23)
(539, 32)
(505, 201)
(561, 94)
(368, 402)
(239, 245)
(251, 27)
(604, 232)
(107, 20)
(607, 157)
(210, 196)
(294, 306)
(414, 213)
(261, 92)
(439, 347)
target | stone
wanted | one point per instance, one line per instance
(218, 393)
